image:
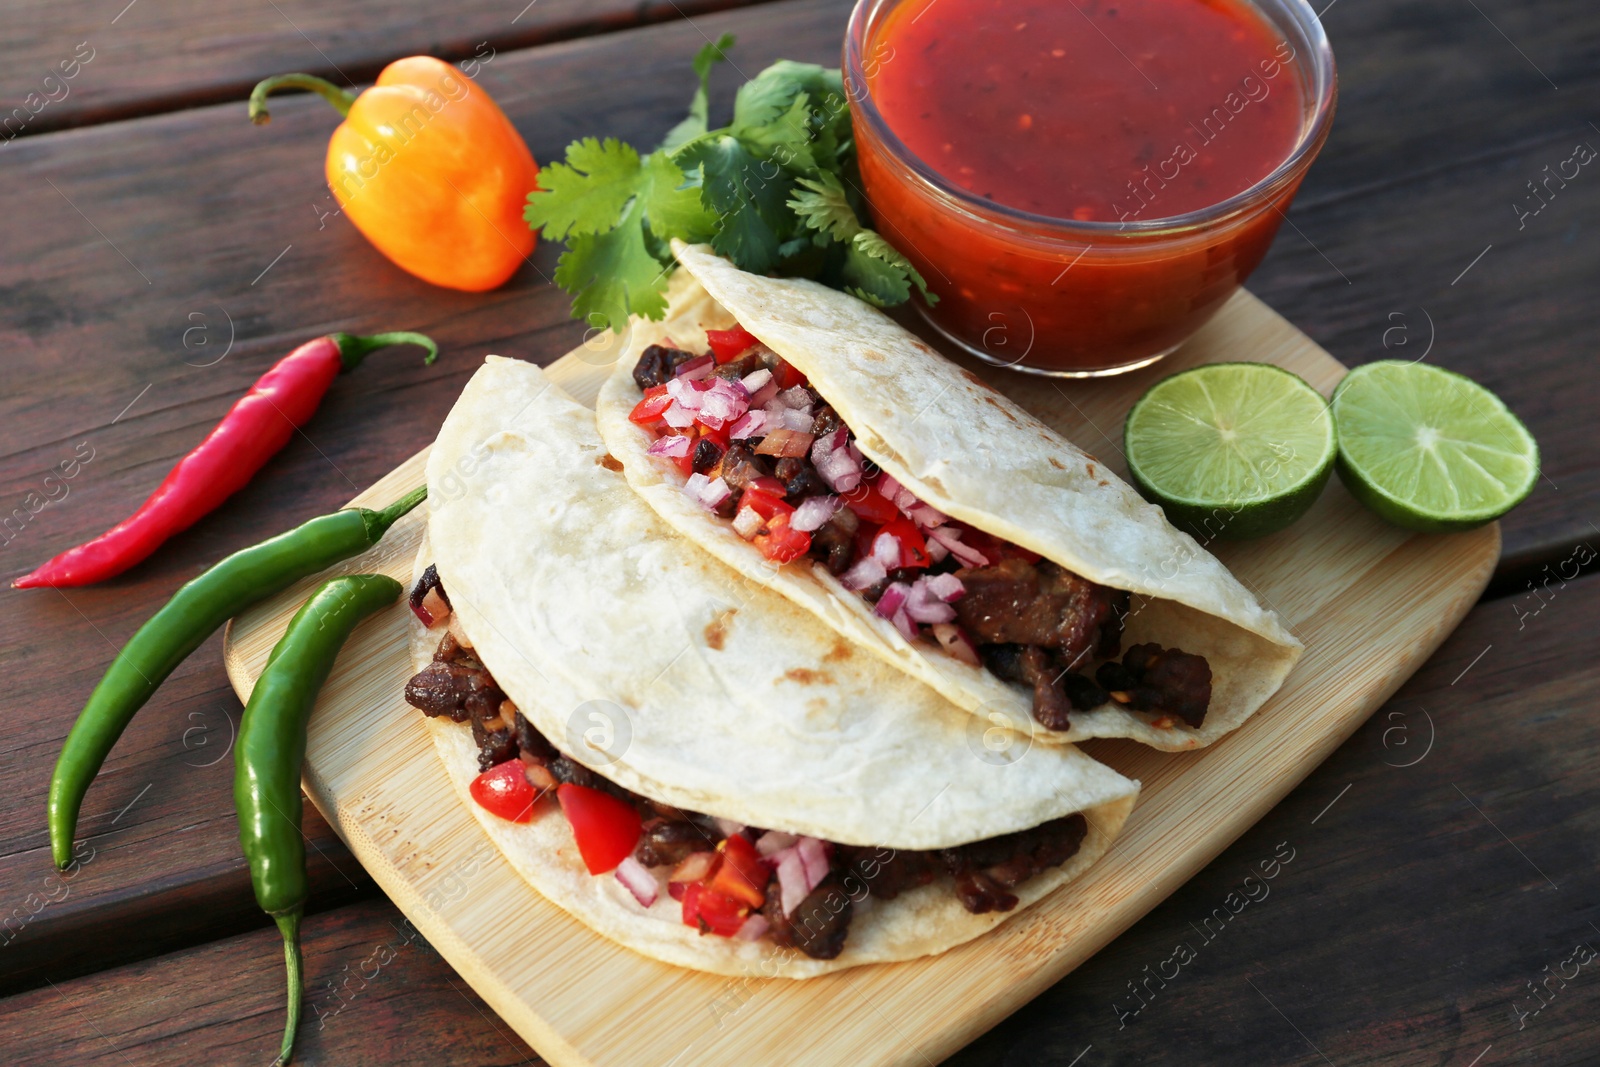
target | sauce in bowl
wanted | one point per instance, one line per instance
(1082, 182)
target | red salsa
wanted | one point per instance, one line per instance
(1102, 111)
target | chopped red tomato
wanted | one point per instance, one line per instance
(787, 377)
(742, 875)
(647, 411)
(871, 505)
(605, 828)
(712, 912)
(913, 548)
(505, 791)
(726, 344)
(781, 542)
(719, 435)
(764, 501)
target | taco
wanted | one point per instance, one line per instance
(737, 789)
(810, 442)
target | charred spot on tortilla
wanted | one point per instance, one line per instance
(716, 631)
(1058, 465)
(807, 676)
(838, 653)
(610, 462)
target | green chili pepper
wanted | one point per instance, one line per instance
(192, 615)
(272, 746)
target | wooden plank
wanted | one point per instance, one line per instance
(77, 65)
(79, 324)
(372, 770)
(1444, 858)
(376, 993)
(1442, 123)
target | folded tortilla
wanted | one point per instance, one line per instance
(714, 694)
(962, 447)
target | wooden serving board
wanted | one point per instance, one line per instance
(1370, 602)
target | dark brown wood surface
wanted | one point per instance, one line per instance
(74, 64)
(151, 268)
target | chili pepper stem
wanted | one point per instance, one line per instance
(289, 926)
(353, 349)
(341, 99)
(378, 522)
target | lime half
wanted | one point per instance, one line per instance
(1231, 450)
(1430, 450)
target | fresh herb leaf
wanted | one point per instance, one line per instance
(769, 191)
(822, 205)
(588, 192)
(612, 275)
(673, 205)
(749, 196)
(873, 266)
(694, 125)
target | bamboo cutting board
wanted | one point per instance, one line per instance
(1370, 602)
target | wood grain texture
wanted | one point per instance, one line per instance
(376, 994)
(371, 768)
(152, 57)
(201, 203)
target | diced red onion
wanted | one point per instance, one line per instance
(690, 394)
(922, 605)
(728, 826)
(763, 396)
(747, 523)
(694, 867)
(677, 416)
(886, 549)
(837, 461)
(538, 775)
(814, 513)
(893, 599)
(756, 380)
(453, 624)
(706, 492)
(936, 550)
(724, 401)
(927, 516)
(780, 416)
(774, 841)
(897, 494)
(785, 443)
(695, 369)
(751, 424)
(906, 625)
(954, 640)
(754, 928)
(947, 587)
(865, 573)
(950, 538)
(434, 609)
(793, 885)
(672, 445)
(815, 855)
(796, 397)
(640, 882)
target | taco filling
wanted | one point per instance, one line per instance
(732, 880)
(758, 447)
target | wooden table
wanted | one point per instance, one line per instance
(158, 252)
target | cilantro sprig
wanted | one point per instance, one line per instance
(774, 191)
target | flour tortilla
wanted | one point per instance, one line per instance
(960, 446)
(719, 696)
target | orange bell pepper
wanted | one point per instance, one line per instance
(429, 169)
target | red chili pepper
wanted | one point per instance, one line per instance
(726, 344)
(256, 427)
